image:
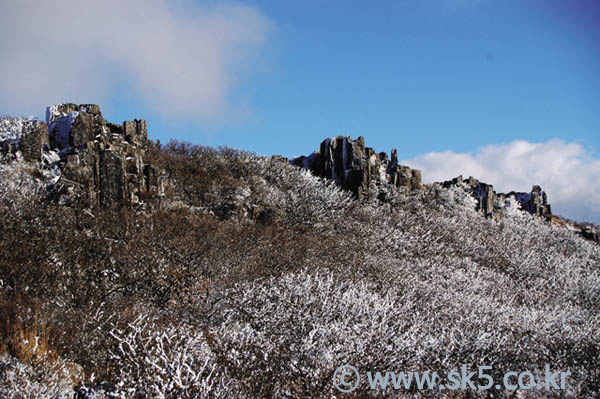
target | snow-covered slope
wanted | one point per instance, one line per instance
(258, 279)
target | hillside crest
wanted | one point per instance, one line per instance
(108, 162)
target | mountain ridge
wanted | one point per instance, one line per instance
(107, 161)
(252, 278)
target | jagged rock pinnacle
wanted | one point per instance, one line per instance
(104, 159)
(357, 168)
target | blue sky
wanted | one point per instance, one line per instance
(420, 75)
(443, 81)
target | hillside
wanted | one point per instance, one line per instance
(131, 269)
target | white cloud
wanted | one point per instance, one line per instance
(180, 58)
(566, 171)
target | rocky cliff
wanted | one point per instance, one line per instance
(358, 168)
(87, 153)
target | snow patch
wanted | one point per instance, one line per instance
(53, 113)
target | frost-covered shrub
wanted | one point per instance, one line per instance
(153, 360)
(10, 131)
(303, 200)
(286, 336)
(271, 278)
(22, 381)
(17, 185)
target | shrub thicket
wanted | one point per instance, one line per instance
(256, 279)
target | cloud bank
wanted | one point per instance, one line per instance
(566, 171)
(180, 58)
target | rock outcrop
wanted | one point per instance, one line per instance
(535, 202)
(34, 137)
(490, 203)
(591, 233)
(358, 168)
(25, 135)
(103, 159)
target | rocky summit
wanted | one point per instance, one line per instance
(368, 175)
(357, 168)
(108, 164)
(105, 160)
(491, 203)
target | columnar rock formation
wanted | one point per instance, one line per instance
(104, 159)
(357, 168)
(34, 137)
(107, 162)
(489, 201)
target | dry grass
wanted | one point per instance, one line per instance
(31, 344)
(25, 333)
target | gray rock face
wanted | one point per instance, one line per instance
(535, 202)
(113, 188)
(538, 203)
(358, 168)
(136, 132)
(155, 181)
(105, 160)
(84, 129)
(486, 195)
(33, 138)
